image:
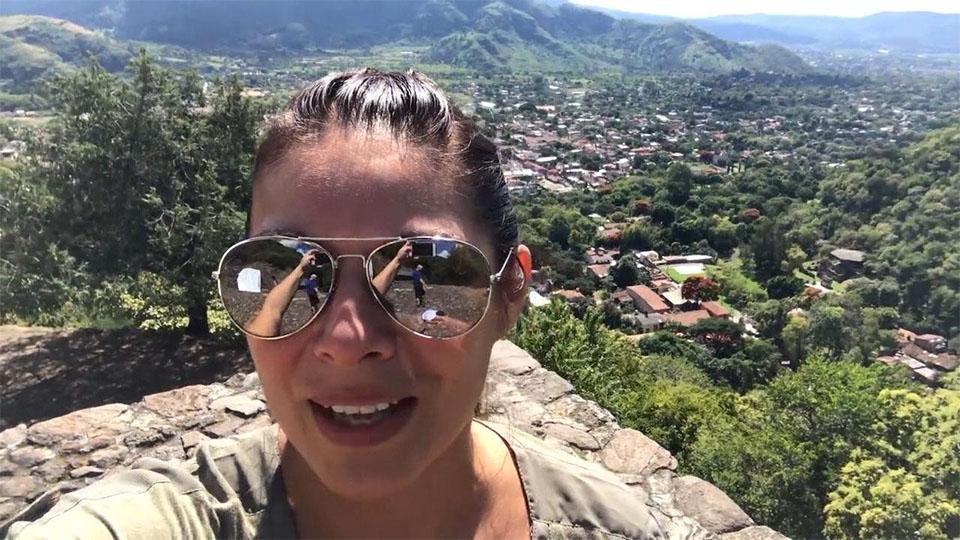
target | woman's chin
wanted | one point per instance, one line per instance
(355, 483)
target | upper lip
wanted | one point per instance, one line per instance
(357, 399)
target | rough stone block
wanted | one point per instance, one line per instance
(108, 457)
(225, 428)
(179, 402)
(84, 472)
(22, 486)
(544, 386)
(632, 452)
(711, 507)
(191, 439)
(573, 436)
(757, 532)
(13, 437)
(508, 358)
(29, 456)
(81, 431)
(242, 405)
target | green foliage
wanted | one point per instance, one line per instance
(664, 396)
(668, 344)
(735, 286)
(640, 236)
(700, 289)
(679, 183)
(148, 176)
(781, 452)
(35, 47)
(906, 481)
(723, 337)
(626, 272)
(780, 287)
(903, 212)
(768, 247)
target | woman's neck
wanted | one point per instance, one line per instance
(456, 496)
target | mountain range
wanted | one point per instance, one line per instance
(910, 32)
(488, 35)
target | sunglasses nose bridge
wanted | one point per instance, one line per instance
(339, 267)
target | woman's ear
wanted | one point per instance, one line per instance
(525, 260)
(516, 279)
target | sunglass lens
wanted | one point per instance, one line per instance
(273, 287)
(436, 287)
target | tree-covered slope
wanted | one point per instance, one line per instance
(500, 35)
(681, 47)
(35, 46)
(904, 211)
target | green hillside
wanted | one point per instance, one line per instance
(34, 47)
(903, 210)
(681, 47)
(487, 35)
(506, 38)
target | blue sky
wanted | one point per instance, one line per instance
(708, 8)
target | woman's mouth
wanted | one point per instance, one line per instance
(363, 425)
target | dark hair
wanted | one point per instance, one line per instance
(412, 108)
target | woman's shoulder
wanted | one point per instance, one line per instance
(569, 496)
(225, 490)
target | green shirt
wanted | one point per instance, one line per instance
(232, 489)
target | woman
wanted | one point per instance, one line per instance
(365, 178)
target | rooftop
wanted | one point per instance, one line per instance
(688, 318)
(651, 298)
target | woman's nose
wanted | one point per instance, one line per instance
(353, 326)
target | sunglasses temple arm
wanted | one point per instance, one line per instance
(499, 275)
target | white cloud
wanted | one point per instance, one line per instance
(707, 8)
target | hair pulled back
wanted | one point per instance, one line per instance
(412, 108)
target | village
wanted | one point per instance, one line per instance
(562, 135)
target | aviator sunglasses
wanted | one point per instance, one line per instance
(274, 286)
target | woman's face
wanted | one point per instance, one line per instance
(354, 185)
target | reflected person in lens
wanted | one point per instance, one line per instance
(375, 434)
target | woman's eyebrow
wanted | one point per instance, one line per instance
(406, 233)
(280, 231)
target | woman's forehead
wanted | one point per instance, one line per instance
(361, 187)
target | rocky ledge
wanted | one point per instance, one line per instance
(80, 447)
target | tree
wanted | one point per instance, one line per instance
(779, 287)
(794, 339)
(700, 289)
(722, 235)
(626, 272)
(723, 337)
(559, 231)
(144, 175)
(679, 183)
(640, 236)
(794, 259)
(779, 453)
(769, 317)
(828, 329)
(735, 286)
(904, 481)
(640, 207)
(768, 247)
(664, 343)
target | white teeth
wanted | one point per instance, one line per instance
(361, 409)
(345, 409)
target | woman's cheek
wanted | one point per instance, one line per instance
(275, 363)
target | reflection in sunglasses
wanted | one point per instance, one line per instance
(436, 287)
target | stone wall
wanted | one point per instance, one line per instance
(80, 447)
